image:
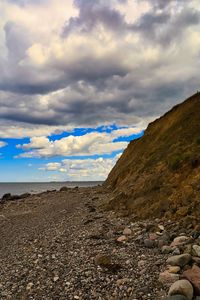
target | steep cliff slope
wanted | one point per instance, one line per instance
(159, 174)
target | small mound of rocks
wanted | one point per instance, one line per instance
(182, 275)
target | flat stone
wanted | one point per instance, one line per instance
(122, 239)
(193, 275)
(182, 287)
(127, 231)
(167, 278)
(173, 269)
(180, 240)
(122, 281)
(161, 227)
(196, 249)
(103, 260)
(149, 243)
(179, 260)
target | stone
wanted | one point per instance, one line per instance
(173, 269)
(162, 242)
(176, 251)
(182, 287)
(195, 234)
(25, 195)
(103, 260)
(188, 249)
(122, 239)
(166, 249)
(149, 243)
(196, 260)
(153, 236)
(167, 278)
(196, 249)
(56, 278)
(159, 233)
(179, 260)
(180, 240)
(29, 286)
(176, 297)
(127, 231)
(141, 263)
(6, 197)
(161, 227)
(122, 281)
(193, 275)
(64, 189)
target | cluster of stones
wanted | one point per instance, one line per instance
(182, 274)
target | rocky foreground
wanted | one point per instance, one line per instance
(63, 245)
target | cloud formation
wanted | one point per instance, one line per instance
(83, 169)
(82, 64)
(94, 143)
(95, 62)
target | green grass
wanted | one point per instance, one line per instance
(175, 162)
(198, 141)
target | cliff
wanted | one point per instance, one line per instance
(159, 174)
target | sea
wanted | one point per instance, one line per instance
(17, 188)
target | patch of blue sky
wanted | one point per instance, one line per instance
(83, 131)
(129, 138)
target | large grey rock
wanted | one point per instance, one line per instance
(179, 260)
(182, 287)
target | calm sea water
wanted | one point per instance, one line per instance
(37, 187)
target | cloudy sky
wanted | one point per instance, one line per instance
(81, 78)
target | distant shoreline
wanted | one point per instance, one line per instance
(18, 188)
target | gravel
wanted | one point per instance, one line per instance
(53, 244)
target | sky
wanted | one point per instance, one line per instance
(81, 78)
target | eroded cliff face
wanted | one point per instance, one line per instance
(159, 174)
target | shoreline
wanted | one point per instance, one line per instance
(18, 188)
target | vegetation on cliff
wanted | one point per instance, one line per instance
(159, 174)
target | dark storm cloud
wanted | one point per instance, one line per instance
(93, 13)
(164, 27)
(17, 41)
(92, 88)
(162, 4)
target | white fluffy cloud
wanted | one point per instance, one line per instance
(83, 169)
(2, 144)
(94, 143)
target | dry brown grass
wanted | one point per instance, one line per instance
(160, 172)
